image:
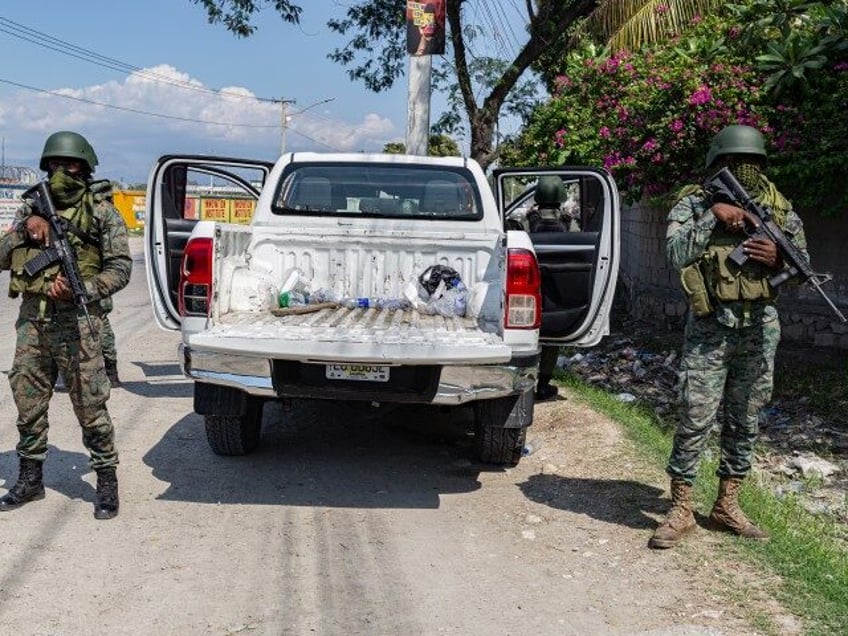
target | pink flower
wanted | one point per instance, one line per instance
(562, 82)
(661, 9)
(649, 145)
(696, 19)
(559, 137)
(701, 96)
(842, 66)
(604, 132)
(676, 125)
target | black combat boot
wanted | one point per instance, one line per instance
(544, 389)
(106, 503)
(112, 372)
(29, 486)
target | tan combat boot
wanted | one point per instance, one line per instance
(680, 520)
(727, 515)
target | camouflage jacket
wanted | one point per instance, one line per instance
(111, 234)
(690, 228)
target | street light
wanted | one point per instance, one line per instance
(285, 118)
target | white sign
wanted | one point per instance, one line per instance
(10, 201)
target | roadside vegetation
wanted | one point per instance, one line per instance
(647, 111)
(804, 566)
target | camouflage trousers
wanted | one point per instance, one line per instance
(43, 349)
(108, 335)
(733, 368)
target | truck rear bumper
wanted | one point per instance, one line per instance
(457, 384)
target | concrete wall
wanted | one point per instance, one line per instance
(651, 290)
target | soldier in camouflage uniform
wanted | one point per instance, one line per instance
(53, 334)
(731, 334)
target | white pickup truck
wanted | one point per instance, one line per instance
(343, 240)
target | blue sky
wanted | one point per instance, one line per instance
(174, 44)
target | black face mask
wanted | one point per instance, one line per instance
(67, 189)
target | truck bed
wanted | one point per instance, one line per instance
(361, 335)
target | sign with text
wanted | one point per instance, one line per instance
(242, 210)
(215, 210)
(10, 201)
(425, 27)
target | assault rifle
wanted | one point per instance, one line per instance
(59, 249)
(723, 187)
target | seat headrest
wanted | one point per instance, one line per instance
(440, 196)
(314, 193)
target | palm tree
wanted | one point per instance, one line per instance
(632, 23)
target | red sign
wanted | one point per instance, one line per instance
(425, 27)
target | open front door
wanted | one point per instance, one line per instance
(572, 217)
(181, 191)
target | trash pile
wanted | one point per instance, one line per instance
(792, 438)
(438, 290)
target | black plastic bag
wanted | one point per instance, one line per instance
(435, 274)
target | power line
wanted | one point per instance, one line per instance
(174, 117)
(136, 110)
(23, 32)
(497, 36)
(505, 21)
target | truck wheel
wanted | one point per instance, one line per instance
(235, 434)
(494, 443)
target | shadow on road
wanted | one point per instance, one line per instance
(325, 454)
(628, 503)
(162, 379)
(59, 470)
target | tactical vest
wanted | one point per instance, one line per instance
(725, 280)
(83, 238)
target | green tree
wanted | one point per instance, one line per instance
(440, 145)
(648, 115)
(376, 51)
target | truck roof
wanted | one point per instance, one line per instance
(359, 157)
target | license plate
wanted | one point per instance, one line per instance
(365, 372)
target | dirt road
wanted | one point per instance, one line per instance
(346, 521)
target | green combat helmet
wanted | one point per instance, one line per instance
(550, 192)
(68, 145)
(736, 139)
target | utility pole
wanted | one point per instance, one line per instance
(284, 120)
(418, 105)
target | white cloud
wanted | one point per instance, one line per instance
(194, 119)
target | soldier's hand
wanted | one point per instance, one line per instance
(37, 229)
(732, 216)
(60, 289)
(761, 250)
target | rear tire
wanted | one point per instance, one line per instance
(495, 444)
(235, 434)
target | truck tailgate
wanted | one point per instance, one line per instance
(355, 335)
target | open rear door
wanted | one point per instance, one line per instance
(576, 241)
(181, 191)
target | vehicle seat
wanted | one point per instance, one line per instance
(314, 193)
(440, 197)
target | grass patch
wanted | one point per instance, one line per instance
(805, 553)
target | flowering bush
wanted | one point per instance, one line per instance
(648, 119)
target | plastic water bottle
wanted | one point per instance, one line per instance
(356, 303)
(531, 447)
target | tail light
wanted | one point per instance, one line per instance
(195, 291)
(523, 291)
